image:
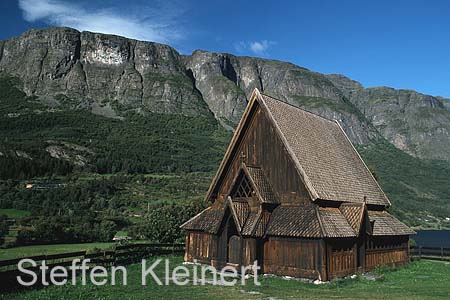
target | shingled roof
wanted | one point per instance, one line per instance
(207, 221)
(334, 224)
(294, 221)
(354, 213)
(383, 223)
(324, 157)
(240, 211)
(261, 184)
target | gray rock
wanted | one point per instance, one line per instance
(81, 68)
(110, 75)
(415, 123)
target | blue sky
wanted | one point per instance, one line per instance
(402, 44)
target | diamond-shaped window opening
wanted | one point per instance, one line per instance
(243, 188)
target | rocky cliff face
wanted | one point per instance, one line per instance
(111, 75)
(415, 123)
(100, 71)
(226, 80)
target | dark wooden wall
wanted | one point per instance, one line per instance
(294, 257)
(249, 253)
(297, 257)
(262, 147)
(341, 257)
(200, 246)
(391, 251)
(242, 247)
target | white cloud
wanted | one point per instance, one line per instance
(257, 47)
(157, 23)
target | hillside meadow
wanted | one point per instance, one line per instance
(420, 280)
(27, 251)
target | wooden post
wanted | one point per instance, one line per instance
(442, 253)
(420, 252)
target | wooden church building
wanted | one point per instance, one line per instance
(293, 193)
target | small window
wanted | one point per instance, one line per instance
(243, 188)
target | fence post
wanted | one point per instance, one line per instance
(442, 253)
(420, 252)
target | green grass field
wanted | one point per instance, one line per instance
(419, 280)
(14, 213)
(25, 251)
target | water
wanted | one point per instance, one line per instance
(432, 238)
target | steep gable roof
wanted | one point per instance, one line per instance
(330, 165)
(354, 213)
(240, 211)
(250, 223)
(262, 185)
(258, 181)
(326, 160)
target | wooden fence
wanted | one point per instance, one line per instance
(121, 255)
(435, 253)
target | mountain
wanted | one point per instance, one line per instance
(413, 122)
(111, 75)
(155, 110)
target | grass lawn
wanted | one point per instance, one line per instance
(25, 251)
(14, 213)
(420, 280)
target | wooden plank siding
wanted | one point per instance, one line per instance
(200, 246)
(261, 146)
(248, 251)
(341, 258)
(389, 250)
(389, 257)
(294, 257)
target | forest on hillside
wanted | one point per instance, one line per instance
(147, 174)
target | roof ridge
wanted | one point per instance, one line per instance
(300, 108)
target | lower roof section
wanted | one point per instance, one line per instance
(382, 224)
(334, 224)
(294, 221)
(207, 221)
(307, 221)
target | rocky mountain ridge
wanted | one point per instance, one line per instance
(112, 75)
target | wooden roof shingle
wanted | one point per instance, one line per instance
(329, 164)
(294, 221)
(207, 221)
(261, 184)
(256, 224)
(250, 224)
(261, 225)
(354, 213)
(242, 211)
(383, 223)
(334, 224)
